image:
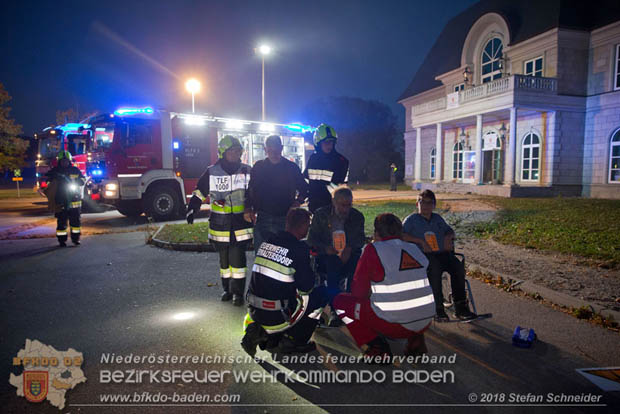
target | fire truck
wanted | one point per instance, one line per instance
(72, 137)
(149, 161)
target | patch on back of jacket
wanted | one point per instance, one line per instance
(407, 262)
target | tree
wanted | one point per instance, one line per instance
(367, 134)
(68, 115)
(12, 149)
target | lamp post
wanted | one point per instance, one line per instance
(193, 86)
(264, 50)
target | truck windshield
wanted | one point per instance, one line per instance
(77, 144)
(49, 147)
(104, 136)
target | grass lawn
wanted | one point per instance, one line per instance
(185, 233)
(23, 193)
(584, 227)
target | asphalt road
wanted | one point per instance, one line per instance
(116, 295)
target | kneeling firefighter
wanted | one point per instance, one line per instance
(283, 306)
(226, 182)
(64, 193)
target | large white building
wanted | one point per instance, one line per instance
(519, 98)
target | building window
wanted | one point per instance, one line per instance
(533, 67)
(491, 55)
(433, 163)
(459, 87)
(530, 157)
(457, 161)
(617, 72)
(614, 158)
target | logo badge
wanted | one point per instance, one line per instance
(408, 262)
(36, 385)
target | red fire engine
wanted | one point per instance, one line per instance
(149, 161)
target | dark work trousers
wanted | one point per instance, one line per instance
(73, 215)
(337, 273)
(392, 181)
(303, 330)
(266, 225)
(232, 266)
(446, 262)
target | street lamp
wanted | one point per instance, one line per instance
(193, 86)
(264, 50)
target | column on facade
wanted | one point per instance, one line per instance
(549, 133)
(512, 148)
(438, 154)
(478, 165)
(418, 155)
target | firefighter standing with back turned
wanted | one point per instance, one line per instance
(326, 168)
(226, 182)
(65, 197)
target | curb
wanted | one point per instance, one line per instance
(558, 298)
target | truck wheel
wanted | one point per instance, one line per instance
(162, 203)
(129, 208)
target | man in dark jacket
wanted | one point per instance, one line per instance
(276, 184)
(67, 184)
(337, 233)
(326, 168)
(284, 306)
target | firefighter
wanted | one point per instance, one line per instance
(326, 168)
(393, 170)
(226, 182)
(65, 197)
(283, 306)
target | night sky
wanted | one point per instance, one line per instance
(106, 54)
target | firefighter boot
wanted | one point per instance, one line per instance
(254, 335)
(416, 345)
(461, 309)
(226, 296)
(237, 287)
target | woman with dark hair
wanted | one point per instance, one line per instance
(390, 295)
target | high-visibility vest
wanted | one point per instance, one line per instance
(227, 194)
(404, 295)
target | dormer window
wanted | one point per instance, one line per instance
(491, 60)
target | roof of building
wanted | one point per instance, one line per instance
(525, 19)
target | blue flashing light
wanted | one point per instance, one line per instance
(97, 172)
(297, 127)
(37, 175)
(176, 145)
(133, 111)
(74, 127)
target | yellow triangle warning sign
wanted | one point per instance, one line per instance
(408, 262)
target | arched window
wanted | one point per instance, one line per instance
(491, 55)
(530, 157)
(614, 158)
(457, 161)
(433, 162)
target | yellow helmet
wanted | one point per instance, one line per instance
(227, 143)
(324, 132)
(64, 154)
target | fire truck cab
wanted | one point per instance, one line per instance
(149, 161)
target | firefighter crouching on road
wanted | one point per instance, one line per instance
(64, 193)
(284, 307)
(391, 295)
(326, 168)
(226, 182)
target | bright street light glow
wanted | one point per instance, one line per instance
(267, 127)
(192, 85)
(264, 49)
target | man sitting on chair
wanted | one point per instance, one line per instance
(436, 238)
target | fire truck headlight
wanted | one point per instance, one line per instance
(73, 187)
(111, 187)
(110, 194)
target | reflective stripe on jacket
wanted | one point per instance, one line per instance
(404, 295)
(227, 194)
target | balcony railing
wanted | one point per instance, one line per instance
(496, 87)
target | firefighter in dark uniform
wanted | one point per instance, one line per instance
(65, 189)
(284, 307)
(226, 182)
(326, 168)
